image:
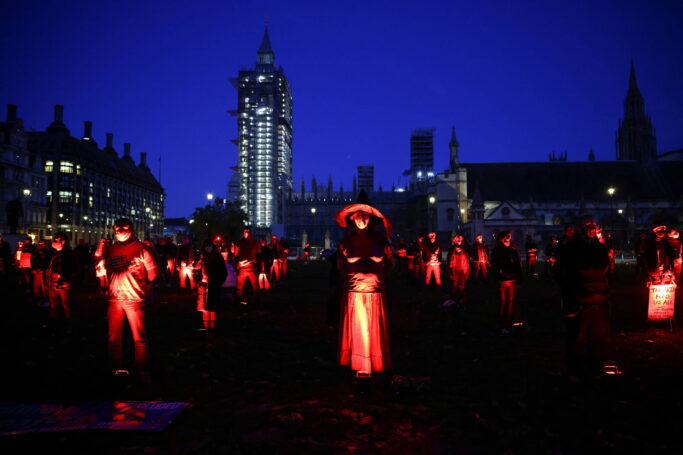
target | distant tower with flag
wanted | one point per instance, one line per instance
(635, 137)
(264, 141)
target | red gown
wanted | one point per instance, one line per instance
(364, 335)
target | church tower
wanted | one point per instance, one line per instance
(454, 147)
(635, 136)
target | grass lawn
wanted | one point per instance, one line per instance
(266, 381)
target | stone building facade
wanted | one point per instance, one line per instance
(82, 189)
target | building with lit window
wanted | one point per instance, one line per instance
(88, 188)
(421, 157)
(264, 141)
(366, 178)
(22, 181)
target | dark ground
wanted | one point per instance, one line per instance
(267, 382)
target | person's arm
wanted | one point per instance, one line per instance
(150, 264)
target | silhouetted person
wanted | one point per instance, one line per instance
(583, 266)
(209, 288)
(551, 250)
(658, 254)
(59, 277)
(507, 269)
(531, 256)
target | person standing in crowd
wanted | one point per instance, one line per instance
(59, 277)
(5, 256)
(582, 269)
(480, 257)
(39, 263)
(459, 267)
(162, 260)
(363, 258)
(507, 269)
(531, 256)
(611, 253)
(23, 254)
(213, 274)
(247, 251)
(307, 252)
(551, 256)
(277, 254)
(82, 253)
(401, 258)
(171, 255)
(658, 254)
(676, 253)
(265, 263)
(185, 261)
(414, 253)
(285, 252)
(640, 251)
(431, 256)
(127, 268)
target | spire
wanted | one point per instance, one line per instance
(454, 146)
(632, 84)
(635, 137)
(265, 53)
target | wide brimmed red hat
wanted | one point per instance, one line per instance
(343, 215)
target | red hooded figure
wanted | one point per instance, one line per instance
(364, 256)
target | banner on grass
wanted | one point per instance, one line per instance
(18, 418)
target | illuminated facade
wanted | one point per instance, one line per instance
(22, 180)
(88, 188)
(264, 141)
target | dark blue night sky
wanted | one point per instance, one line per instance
(517, 79)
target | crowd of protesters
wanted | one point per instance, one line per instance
(220, 273)
(127, 271)
(581, 262)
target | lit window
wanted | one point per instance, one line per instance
(49, 166)
(66, 167)
(65, 197)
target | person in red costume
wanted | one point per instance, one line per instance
(364, 257)
(431, 254)
(127, 269)
(247, 250)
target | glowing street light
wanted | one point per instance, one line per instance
(209, 196)
(432, 199)
(27, 192)
(611, 190)
(313, 210)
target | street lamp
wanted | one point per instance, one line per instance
(209, 196)
(610, 192)
(430, 212)
(27, 195)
